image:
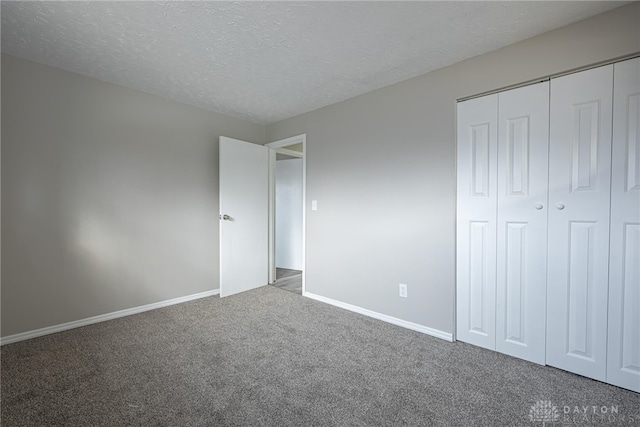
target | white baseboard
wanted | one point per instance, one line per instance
(389, 319)
(102, 318)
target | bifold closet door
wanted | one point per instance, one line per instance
(476, 221)
(623, 357)
(579, 205)
(523, 142)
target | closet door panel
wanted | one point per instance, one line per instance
(579, 205)
(623, 358)
(523, 142)
(476, 221)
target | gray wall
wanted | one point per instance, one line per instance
(382, 167)
(109, 196)
(289, 230)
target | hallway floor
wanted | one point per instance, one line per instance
(289, 280)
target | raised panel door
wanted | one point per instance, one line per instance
(623, 357)
(523, 142)
(476, 221)
(579, 199)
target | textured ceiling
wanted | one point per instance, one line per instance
(267, 61)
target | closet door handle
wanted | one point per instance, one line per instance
(539, 206)
(559, 206)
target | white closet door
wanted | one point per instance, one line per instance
(523, 143)
(623, 358)
(476, 221)
(579, 203)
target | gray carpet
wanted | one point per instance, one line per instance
(273, 358)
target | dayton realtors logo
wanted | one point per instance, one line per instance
(544, 411)
(547, 413)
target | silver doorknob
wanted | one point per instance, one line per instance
(560, 206)
(225, 217)
(539, 206)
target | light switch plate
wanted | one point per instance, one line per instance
(314, 205)
(402, 290)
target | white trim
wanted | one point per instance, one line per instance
(102, 318)
(292, 153)
(288, 141)
(389, 319)
(274, 147)
(271, 223)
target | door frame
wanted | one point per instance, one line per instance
(275, 148)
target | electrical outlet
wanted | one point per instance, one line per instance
(402, 288)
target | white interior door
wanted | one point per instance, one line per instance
(521, 278)
(244, 180)
(579, 204)
(623, 357)
(476, 221)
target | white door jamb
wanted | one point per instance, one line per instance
(281, 147)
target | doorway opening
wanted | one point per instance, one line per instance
(287, 196)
